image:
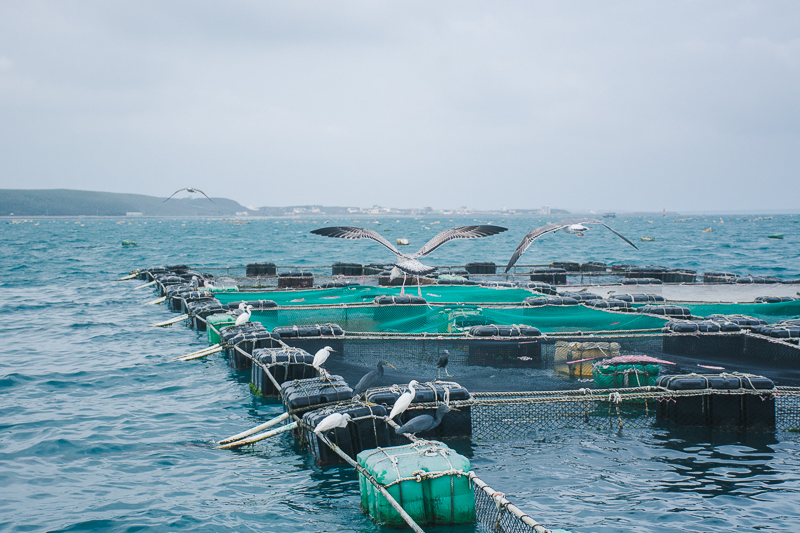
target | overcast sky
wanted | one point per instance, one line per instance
(584, 104)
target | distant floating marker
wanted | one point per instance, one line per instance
(647, 239)
(402, 242)
(776, 236)
(133, 243)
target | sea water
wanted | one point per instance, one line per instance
(101, 430)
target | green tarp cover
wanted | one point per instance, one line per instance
(365, 294)
(425, 319)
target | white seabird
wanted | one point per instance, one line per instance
(408, 263)
(190, 190)
(576, 227)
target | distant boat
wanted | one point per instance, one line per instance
(664, 212)
(133, 243)
(609, 215)
(647, 239)
(402, 242)
(707, 230)
(776, 236)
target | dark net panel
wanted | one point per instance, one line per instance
(525, 418)
(524, 364)
(787, 412)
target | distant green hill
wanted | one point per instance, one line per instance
(66, 202)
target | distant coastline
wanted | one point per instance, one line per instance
(44, 203)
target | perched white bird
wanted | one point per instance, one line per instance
(190, 190)
(408, 263)
(404, 400)
(244, 318)
(320, 357)
(576, 227)
(335, 420)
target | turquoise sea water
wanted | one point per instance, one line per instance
(100, 430)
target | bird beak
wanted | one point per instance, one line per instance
(387, 364)
(454, 409)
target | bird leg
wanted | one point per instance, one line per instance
(403, 287)
(446, 373)
(325, 375)
(419, 288)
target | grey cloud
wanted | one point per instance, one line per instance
(616, 105)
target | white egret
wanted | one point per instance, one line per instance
(576, 227)
(320, 357)
(335, 420)
(404, 400)
(244, 318)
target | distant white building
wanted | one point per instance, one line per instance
(133, 214)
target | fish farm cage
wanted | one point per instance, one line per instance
(507, 361)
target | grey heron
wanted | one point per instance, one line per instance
(444, 359)
(370, 379)
(422, 423)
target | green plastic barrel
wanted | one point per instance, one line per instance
(434, 488)
(220, 320)
(625, 375)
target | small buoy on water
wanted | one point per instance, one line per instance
(777, 236)
(402, 242)
(129, 243)
(707, 230)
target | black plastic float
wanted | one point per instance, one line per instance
(740, 412)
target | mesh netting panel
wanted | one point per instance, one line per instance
(495, 517)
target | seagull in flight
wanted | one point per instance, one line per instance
(190, 190)
(408, 263)
(576, 227)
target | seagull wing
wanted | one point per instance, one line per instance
(352, 232)
(462, 232)
(204, 194)
(612, 230)
(532, 236)
(173, 194)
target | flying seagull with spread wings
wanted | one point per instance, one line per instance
(408, 263)
(577, 227)
(191, 190)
